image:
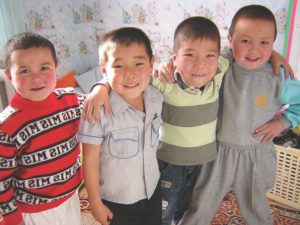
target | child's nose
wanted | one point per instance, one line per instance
(129, 72)
(253, 46)
(35, 76)
(200, 62)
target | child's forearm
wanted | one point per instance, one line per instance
(97, 97)
(103, 83)
(227, 54)
(278, 61)
(91, 154)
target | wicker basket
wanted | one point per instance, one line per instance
(287, 187)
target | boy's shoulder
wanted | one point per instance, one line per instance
(154, 92)
(151, 94)
(64, 91)
(223, 64)
(69, 91)
(8, 112)
(12, 110)
(265, 69)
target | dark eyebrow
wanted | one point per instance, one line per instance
(140, 57)
(136, 57)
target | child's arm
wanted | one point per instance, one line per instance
(289, 98)
(98, 96)
(278, 61)
(8, 167)
(91, 155)
(165, 72)
(166, 69)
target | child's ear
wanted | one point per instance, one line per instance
(7, 73)
(152, 61)
(103, 70)
(229, 38)
(174, 58)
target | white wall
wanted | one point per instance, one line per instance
(73, 25)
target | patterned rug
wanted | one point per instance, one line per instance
(228, 213)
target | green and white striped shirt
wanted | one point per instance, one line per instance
(188, 134)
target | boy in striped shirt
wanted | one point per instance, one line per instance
(39, 154)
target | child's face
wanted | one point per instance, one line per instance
(32, 73)
(252, 42)
(196, 60)
(128, 70)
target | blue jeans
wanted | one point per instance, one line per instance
(177, 183)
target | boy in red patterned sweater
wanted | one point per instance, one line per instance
(39, 155)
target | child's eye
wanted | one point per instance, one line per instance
(264, 42)
(44, 68)
(245, 41)
(188, 55)
(139, 64)
(23, 71)
(117, 66)
(211, 55)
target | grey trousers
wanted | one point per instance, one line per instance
(249, 170)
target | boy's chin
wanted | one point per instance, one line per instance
(252, 66)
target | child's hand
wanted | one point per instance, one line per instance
(269, 130)
(102, 214)
(277, 60)
(165, 72)
(99, 96)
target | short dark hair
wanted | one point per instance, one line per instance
(196, 27)
(23, 41)
(253, 12)
(123, 36)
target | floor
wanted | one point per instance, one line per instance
(86, 216)
(227, 214)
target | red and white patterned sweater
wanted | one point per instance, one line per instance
(40, 164)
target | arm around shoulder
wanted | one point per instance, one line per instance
(99, 96)
(227, 54)
(223, 64)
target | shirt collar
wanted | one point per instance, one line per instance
(26, 104)
(118, 104)
(185, 86)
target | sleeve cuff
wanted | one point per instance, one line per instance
(286, 123)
